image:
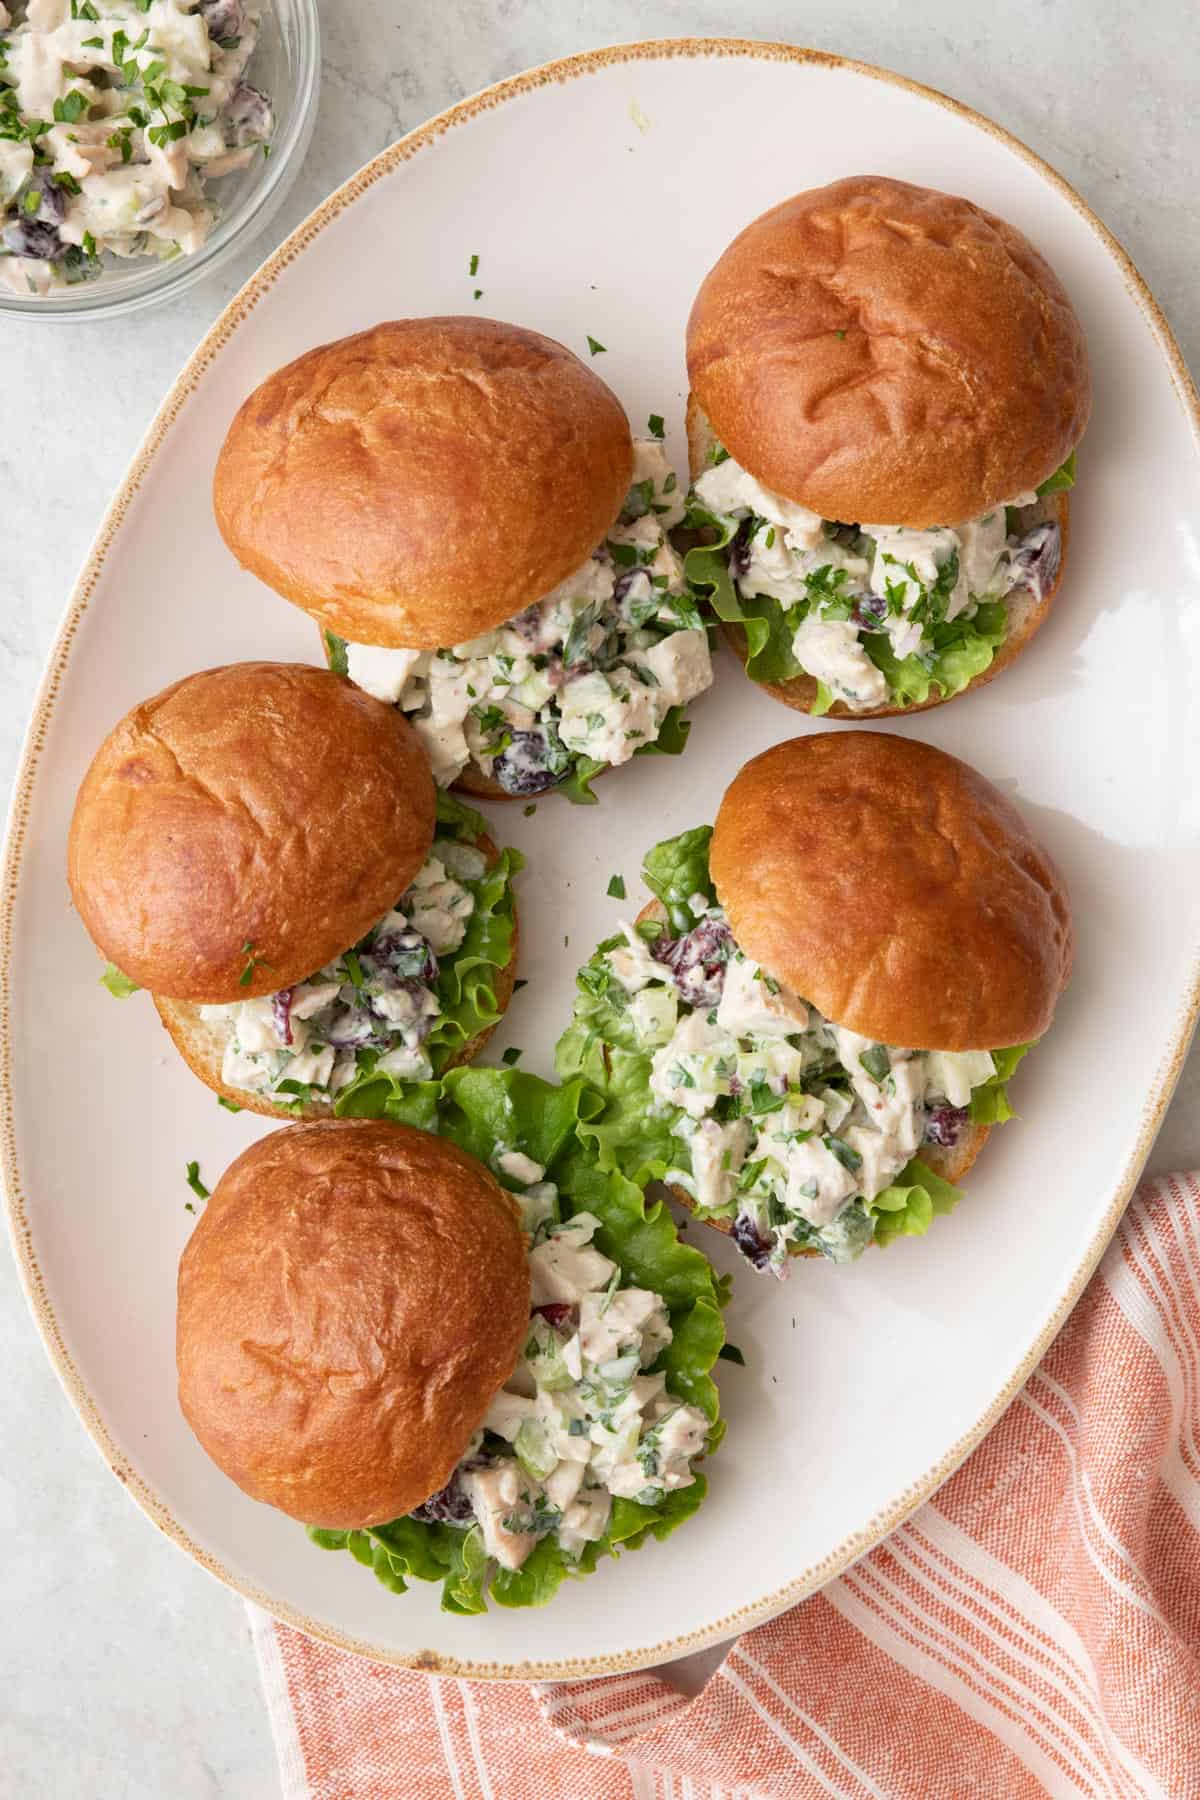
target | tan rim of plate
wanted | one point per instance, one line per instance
(238, 310)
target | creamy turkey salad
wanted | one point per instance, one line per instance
(581, 1421)
(587, 677)
(592, 1444)
(114, 114)
(878, 615)
(802, 1134)
(399, 1004)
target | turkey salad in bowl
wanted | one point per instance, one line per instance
(142, 141)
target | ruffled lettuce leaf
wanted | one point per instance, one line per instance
(678, 868)
(1063, 477)
(466, 983)
(118, 984)
(909, 1206)
(989, 1102)
(335, 648)
(671, 741)
(768, 633)
(963, 649)
(478, 1109)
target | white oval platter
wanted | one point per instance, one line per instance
(595, 194)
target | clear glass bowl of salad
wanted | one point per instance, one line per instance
(143, 143)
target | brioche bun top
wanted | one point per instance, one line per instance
(895, 889)
(420, 483)
(259, 817)
(352, 1298)
(884, 353)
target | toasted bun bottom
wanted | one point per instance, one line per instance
(202, 1044)
(950, 1163)
(1026, 612)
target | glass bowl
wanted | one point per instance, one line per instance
(287, 67)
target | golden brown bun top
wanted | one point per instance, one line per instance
(895, 889)
(888, 354)
(353, 1297)
(262, 816)
(422, 482)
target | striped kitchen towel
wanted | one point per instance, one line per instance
(1034, 1630)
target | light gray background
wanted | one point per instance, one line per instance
(127, 1670)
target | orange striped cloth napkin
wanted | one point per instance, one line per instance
(1034, 1630)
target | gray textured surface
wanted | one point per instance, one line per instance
(128, 1671)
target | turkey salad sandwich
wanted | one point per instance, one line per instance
(263, 848)
(461, 507)
(573, 1333)
(866, 352)
(809, 1043)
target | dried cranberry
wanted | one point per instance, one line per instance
(751, 1242)
(698, 960)
(281, 1012)
(1036, 559)
(531, 763)
(223, 18)
(739, 550)
(870, 611)
(449, 1506)
(945, 1124)
(397, 958)
(632, 585)
(35, 232)
(357, 1028)
(248, 115)
(558, 1314)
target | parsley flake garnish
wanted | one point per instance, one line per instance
(616, 888)
(194, 1182)
(253, 962)
(596, 348)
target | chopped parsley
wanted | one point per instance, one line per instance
(194, 1182)
(473, 266)
(655, 426)
(118, 985)
(229, 1105)
(511, 1055)
(253, 963)
(596, 348)
(846, 1154)
(731, 1353)
(616, 887)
